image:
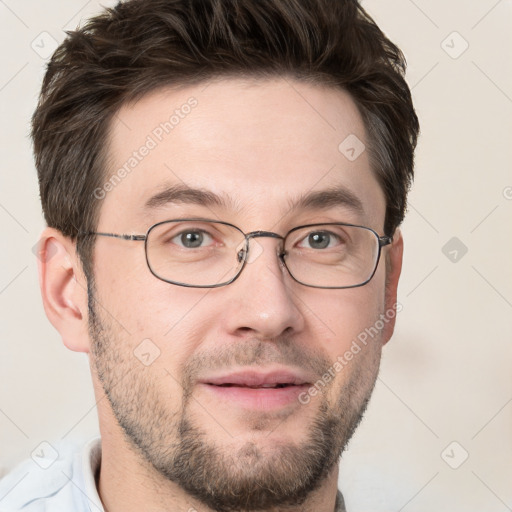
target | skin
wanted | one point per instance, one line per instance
(263, 145)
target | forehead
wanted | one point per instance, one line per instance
(261, 145)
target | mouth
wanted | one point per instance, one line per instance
(278, 378)
(263, 386)
(258, 389)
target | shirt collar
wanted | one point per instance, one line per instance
(91, 462)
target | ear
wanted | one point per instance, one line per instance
(63, 288)
(393, 269)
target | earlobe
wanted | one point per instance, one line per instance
(63, 288)
(393, 270)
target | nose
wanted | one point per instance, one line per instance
(263, 299)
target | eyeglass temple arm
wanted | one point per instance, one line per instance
(385, 240)
(115, 235)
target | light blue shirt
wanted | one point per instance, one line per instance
(54, 480)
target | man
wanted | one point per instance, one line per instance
(222, 181)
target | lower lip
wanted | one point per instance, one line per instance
(257, 398)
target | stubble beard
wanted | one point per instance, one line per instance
(226, 480)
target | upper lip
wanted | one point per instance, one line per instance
(258, 378)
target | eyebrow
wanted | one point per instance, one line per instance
(330, 198)
(185, 194)
(322, 199)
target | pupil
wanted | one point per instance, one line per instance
(192, 239)
(319, 240)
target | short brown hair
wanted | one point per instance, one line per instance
(141, 45)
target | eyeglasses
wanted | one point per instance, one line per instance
(201, 253)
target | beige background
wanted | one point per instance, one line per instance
(446, 374)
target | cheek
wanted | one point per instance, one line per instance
(341, 315)
(353, 341)
(133, 296)
(120, 274)
(176, 319)
(149, 316)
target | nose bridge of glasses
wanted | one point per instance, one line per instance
(242, 253)
(259, 234)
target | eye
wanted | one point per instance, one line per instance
(192, 239)
(320, 240)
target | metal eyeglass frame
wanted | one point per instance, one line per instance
(382, 242)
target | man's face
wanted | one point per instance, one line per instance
(258, 147)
